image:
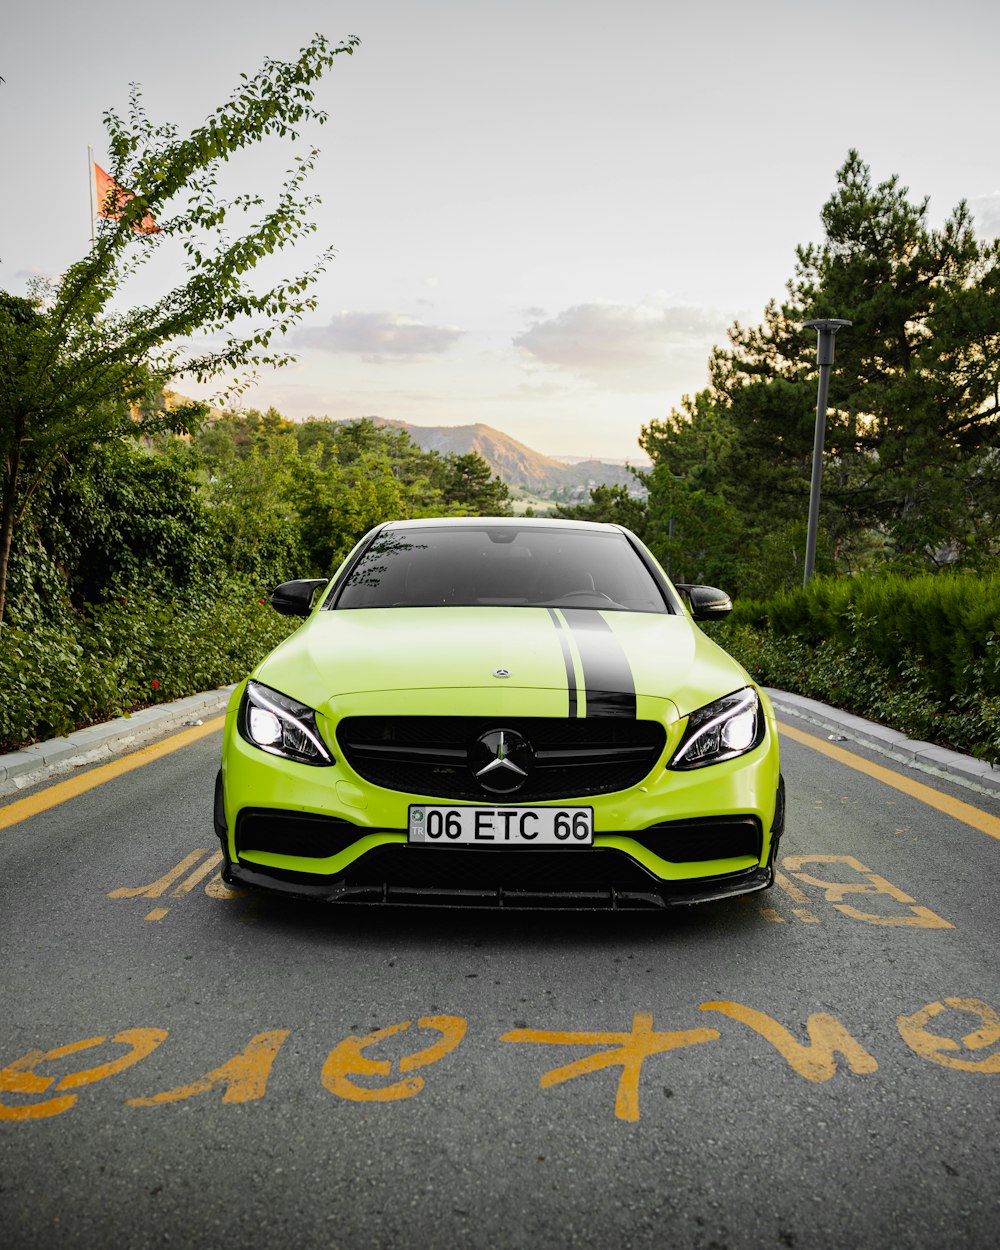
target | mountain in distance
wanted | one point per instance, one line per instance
(522, 468)
(527, 472)
(639, 463)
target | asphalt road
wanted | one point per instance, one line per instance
(818, 1066)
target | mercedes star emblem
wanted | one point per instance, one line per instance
(502, 760)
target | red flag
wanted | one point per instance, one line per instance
(112, 198)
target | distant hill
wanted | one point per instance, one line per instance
(519, 466)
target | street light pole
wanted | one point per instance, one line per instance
(826, 330)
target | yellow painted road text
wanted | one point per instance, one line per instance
(965, 1038)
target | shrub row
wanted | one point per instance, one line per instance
(125, 654)
(948, 626)
(919, 655)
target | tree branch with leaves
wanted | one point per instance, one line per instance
(76, 370)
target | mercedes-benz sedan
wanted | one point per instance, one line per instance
(506, 712)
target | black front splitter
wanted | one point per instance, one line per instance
(659, 897)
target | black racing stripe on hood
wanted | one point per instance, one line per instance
(607, 678)
(568, 661)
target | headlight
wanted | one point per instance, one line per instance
(721, 731)
(281, 726)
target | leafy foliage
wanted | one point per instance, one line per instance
(330, 482)
(75, 370)
(610, 505)
(122, 517)
(911, 471)
(921, 654)
(141, 570)
(127, 653)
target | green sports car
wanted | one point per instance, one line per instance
(502, 712)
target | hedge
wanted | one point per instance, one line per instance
(919, 654)
(125, 654)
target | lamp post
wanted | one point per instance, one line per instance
(826, 330)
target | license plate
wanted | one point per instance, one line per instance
(502, 826)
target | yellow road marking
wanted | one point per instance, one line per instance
(955, 808)
(930, 1046)
(244, 1076)
(816, 1060)
(21, 809)
(836, 891)
(214, 888)
(199, 874)
(20, 1076)
(790, 888)
(969, 1043)
(629, 1051)
(156, 888)
(348, 1059)
(797, 896)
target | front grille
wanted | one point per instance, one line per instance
(432, 755)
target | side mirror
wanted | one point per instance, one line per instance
(296, 598)
(707, 602)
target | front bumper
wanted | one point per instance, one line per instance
(325, 833)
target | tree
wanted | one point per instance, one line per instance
(911, 470)
(354, 475)
(915, 394)
(338, 503)
(468, 486)
(74, 372)
(610, 505)
(256, 527)
(124, 519)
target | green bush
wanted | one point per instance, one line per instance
(921, 655)
(942, 624)
(125, 654)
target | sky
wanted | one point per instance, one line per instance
(545, 212)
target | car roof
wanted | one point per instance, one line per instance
(502, 522)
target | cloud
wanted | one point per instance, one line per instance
(986, 210)
(627, 346)
(24, 281)
(377, 337)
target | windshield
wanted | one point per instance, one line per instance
(507, 566)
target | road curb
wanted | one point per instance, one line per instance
(923, 756)
(44, 761)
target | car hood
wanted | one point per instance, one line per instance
(588, 662)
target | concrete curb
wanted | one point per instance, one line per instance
(924, 756)
(44, 761)
(47, 760)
